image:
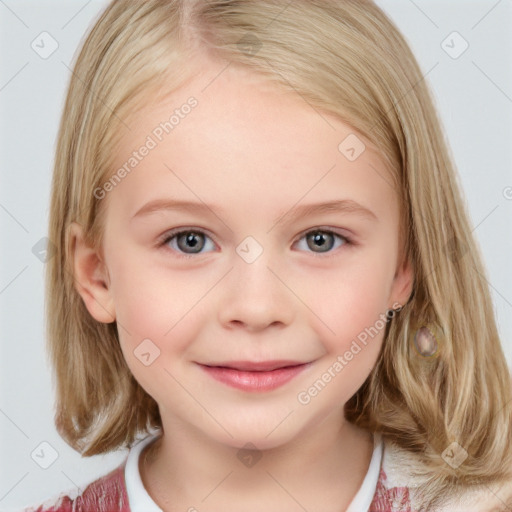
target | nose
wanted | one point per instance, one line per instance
(255, 296)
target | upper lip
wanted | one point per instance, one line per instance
(257, 366)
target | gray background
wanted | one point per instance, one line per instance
(473, 93)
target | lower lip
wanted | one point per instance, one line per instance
(254, 381)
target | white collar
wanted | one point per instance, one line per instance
(138, 498)
(140, 501)
(364, 497)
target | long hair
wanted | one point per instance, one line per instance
(345, 57)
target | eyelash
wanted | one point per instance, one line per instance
(167, 237)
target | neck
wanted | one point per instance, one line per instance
(320, 469)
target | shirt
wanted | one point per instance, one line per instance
(122, 489)
(140, 501)
(387, 487)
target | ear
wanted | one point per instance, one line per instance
(90, 276)
(403, 282)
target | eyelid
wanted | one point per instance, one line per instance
(176, 231)
(348, 241)
(327, 229)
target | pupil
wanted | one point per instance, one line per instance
(191, 240)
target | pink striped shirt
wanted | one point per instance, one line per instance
(393, 490)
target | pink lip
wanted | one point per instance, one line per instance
(255, 376)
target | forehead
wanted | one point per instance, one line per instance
(231, 136)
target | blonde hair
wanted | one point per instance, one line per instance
(343, 57)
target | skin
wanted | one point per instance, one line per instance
(256, 151)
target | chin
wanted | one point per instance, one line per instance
(264, 436)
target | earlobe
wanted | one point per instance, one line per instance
(90, 276)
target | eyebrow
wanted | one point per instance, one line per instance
(338, 205)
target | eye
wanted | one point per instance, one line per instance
(187, 241)
(324, 240)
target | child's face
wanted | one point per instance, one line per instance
(252, 289)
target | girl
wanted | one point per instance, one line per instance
(264, 265)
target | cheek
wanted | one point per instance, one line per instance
(156, 303)
(349, 304)
(355, 316)
(158, 313)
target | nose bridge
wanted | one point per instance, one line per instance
(251, 269)
(255, 296)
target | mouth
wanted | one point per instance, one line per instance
(255, 376)
(256, 366)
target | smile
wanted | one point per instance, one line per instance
(255, 376)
